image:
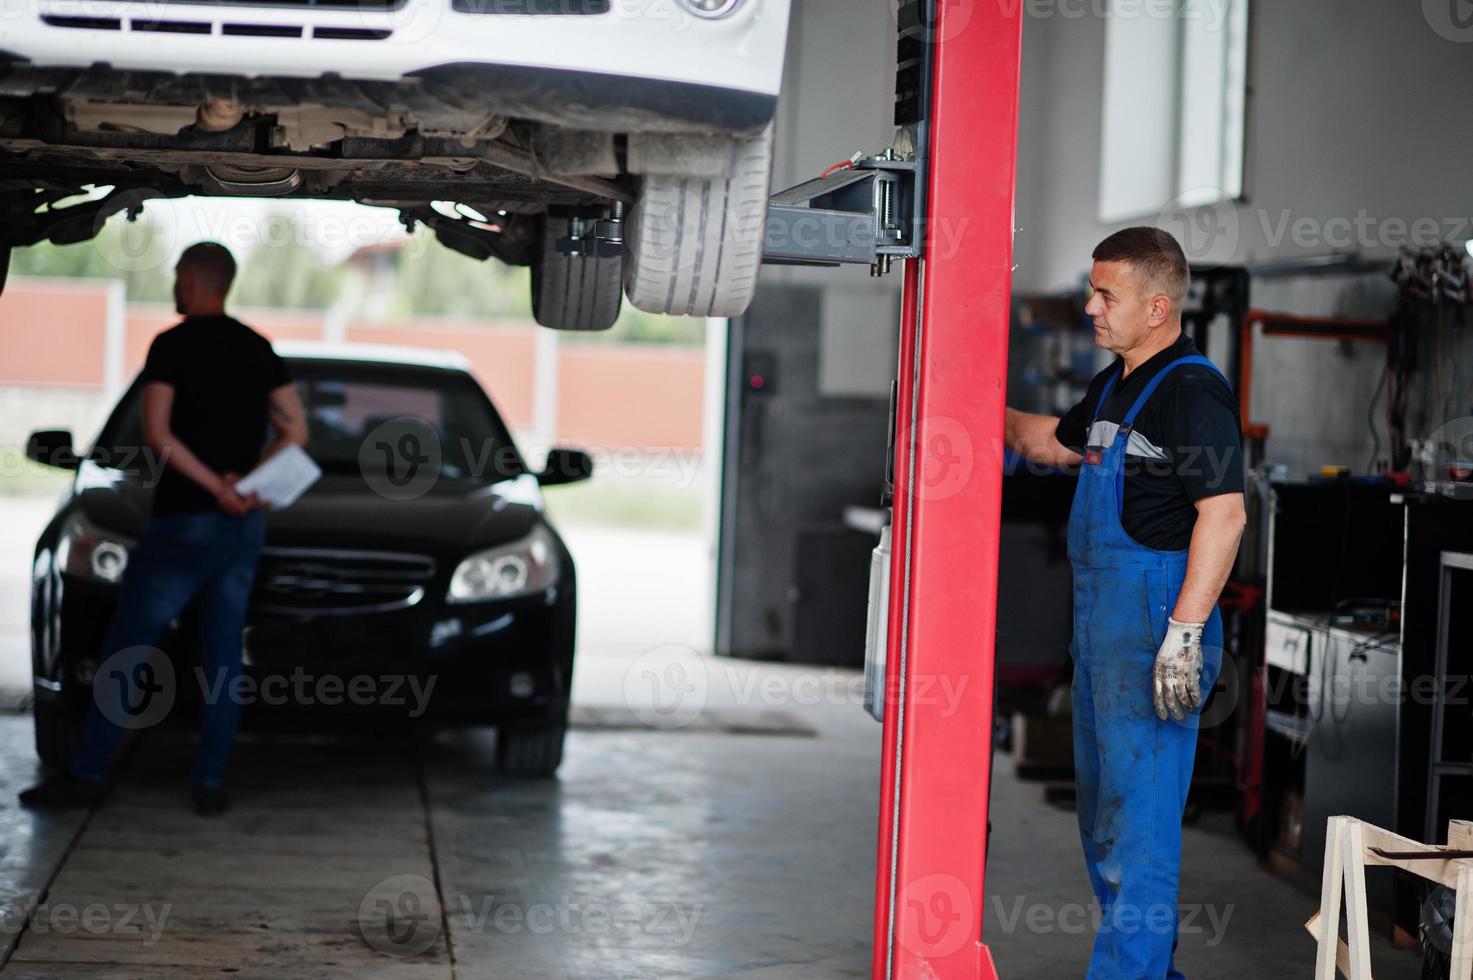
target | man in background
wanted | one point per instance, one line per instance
(212, 389)
(1153, 534)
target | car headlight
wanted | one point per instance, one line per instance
(85, 550)
(711, 9)
(505, 572)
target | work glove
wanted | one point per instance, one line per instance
(1178, 674)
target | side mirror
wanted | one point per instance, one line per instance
(52, 447)
(565, 466)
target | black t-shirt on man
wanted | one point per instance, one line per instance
(222, 373)
(1186, 443)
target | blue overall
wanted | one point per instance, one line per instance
(1132, 770)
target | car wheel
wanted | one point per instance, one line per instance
(574, 292)
(58, 733)
(530, 749)
(695, 243)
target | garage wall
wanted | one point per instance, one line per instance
(1352, 124)
(793, 578)
(838, 97)
(1353, 108)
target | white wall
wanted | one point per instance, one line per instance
(1355, 109)
(839, 97)
(1355, 139)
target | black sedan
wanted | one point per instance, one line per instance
(418, 579)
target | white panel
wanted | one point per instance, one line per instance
(1214, 63)
(1138, 115)
(1204, 62)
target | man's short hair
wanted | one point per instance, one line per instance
(1154, 255)
(212, 262)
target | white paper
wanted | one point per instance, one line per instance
(281, 479)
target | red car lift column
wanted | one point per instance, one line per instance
(948, 485)
(946, 209)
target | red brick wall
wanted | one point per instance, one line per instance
(51, 333)
(609, 396)
(630, 396)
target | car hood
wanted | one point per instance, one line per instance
(341, 512)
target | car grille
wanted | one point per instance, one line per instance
(366, 6)
(539, 8)
(161, 26)
(315, 582)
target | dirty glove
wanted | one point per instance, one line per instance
(1178, 673)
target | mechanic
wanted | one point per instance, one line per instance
(211, 385)
(1153, 534)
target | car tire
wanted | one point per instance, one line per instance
(695, 243)
(530, 750)
(58, 733)
(574, 292)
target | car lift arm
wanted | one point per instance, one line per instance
(936, 766)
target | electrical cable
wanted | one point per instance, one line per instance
(1371, 417)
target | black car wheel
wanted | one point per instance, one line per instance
(58, 733)
(574, 292)
(530, 749)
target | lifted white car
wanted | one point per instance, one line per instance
(615, 146)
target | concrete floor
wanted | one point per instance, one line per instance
(665, 848)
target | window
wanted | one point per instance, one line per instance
(1175, 88)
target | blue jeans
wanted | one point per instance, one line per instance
(181, 558)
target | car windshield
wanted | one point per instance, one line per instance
(368, 417)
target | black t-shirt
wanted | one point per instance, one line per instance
(222, 373)
(1186, 443)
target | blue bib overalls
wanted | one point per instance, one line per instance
(1132, 770)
